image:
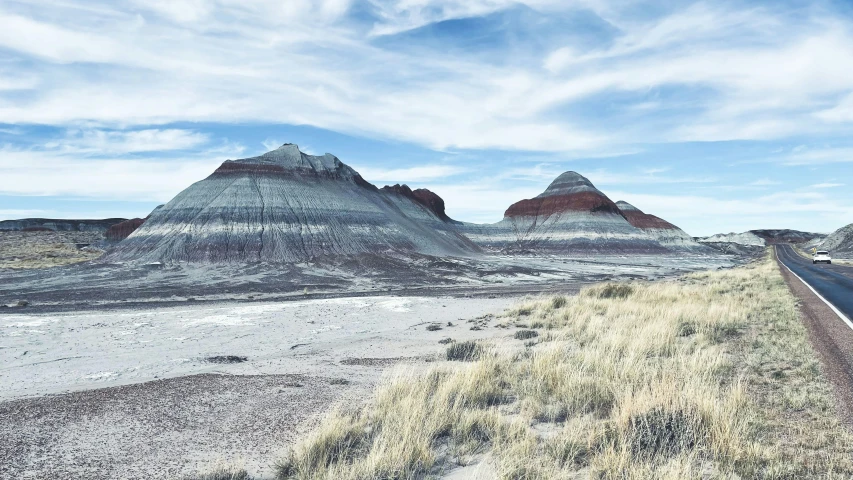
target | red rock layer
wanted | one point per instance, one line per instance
(423, 196)
(644, 220)
(575, 202)
(238, 168)
(122, 230)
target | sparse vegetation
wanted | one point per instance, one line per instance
(226, 359)
(25, 250)
(711, 376)
(223, 473)
(464, 351)
(433, 327)
(526, 334)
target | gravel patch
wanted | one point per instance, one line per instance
(161, 429)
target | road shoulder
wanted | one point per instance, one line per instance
(827, 334)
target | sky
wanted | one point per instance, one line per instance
(717, 116)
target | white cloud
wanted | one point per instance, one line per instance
(827, 185)
(67, 171)
(10, 214)
(104, 142)
(271, 144)
(803, 155)
(704, 215)
(764, 182)
(412, 174)
(761, 75)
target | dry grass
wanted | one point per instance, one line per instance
(222, 473)
(710, 376)
(24, 250)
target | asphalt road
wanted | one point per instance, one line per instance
(833, 282)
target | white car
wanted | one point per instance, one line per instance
(822, 257)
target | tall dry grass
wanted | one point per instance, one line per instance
(710, 376)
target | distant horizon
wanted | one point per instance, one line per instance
(715, 117)
(415, 187)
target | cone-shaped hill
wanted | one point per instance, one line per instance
(659, 229)
(288, 207)
(571, 215)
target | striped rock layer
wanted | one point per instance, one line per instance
(59, 225)
(570, 216)
(289, 207)
(659, 229)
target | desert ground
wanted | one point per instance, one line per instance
(261, 379)
(190, 369)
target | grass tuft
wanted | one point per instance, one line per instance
(611, 290)
(223, 473)
(526, 334)
(463, 351)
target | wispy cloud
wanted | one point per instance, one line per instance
(146, 93)
(412, 174)
(762, 74)
(764, 182)
(827, 185)
(103, 142)
(815, 156)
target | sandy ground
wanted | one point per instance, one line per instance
(75, 401)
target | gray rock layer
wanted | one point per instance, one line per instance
(660, 230)
(570, 216)
(60, 225)
(839, 241)
(289, 207)
(286, 206)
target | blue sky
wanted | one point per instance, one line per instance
(718, 116)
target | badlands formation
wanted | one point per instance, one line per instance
(287, 225)
(840, 242)
(570, 216)
(659, 229)
(288, 207)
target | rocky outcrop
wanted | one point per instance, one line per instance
(59, 225)
(289, 207)
(570, 216)
(659, 229)
(774, 236)
(746, 238)
(122, 230)
(839, 242)
(423, 196)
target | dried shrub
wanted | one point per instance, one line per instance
(464, 351)
(526, 334)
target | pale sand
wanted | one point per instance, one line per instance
(76, 402)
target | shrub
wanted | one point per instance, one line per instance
(226, 473)
(464, 351)
(526, 334)
(613, 290)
